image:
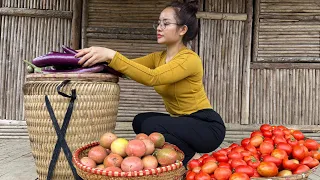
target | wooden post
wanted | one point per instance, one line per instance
(84, 24)
(76, 24)
(256, 31)
(246, 65)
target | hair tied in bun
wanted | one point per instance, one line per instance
(194, 5)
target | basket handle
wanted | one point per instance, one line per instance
(61, 142)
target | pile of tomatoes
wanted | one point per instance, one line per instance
(268, 152)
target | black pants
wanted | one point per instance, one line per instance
(201, 132)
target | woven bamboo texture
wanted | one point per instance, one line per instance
(170, 172)
(95, 112)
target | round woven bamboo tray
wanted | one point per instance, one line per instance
(170, 172)
(94, 113)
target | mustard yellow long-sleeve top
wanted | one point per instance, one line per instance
(179, 81)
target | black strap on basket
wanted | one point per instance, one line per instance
(61, 142)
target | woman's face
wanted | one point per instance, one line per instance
(168, 30)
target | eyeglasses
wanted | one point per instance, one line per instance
(162, 24)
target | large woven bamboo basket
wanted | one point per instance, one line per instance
(94, 113)
(171, 172)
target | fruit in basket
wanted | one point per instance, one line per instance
(118, 146)
(114, 169)
(113, 160)
(149, 146)
(135, 147)
(239, 176)
(301, 169)
(158, 139)
(267, 169)
(311, 144)
(88, 162)
(149, 162)
(106, 139)
(100, 166)
(222, 173)
(142, 136)
(284, 173)
(97, 153)
(166, 156)
(131, 163)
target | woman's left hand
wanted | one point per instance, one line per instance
(94, 55)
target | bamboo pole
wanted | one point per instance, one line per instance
(76, 24)
(256, 31)
(84, 24)
(222, 16)
(246, 65)
(35, 13)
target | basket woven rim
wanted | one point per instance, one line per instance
(78, 76)
(155, 171)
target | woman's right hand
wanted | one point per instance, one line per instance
(94, 55)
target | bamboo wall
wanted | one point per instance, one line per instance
(28, 29)
(287, 31)
(221, 48)
(284, 77)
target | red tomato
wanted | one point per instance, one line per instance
(269, 140)
(256, 140)
(253, 163)
(222, 173)
(209, 167)
(301, 169)
(238, 149)
(279, 153)
(267, 169)
(208, 159)
(268, 158)
(279, 139)
(267, 134)
(265, 127)
(301, 142)
(266, 148)
(292, 142)
(251, 148)
(224, 165)
(246, 153)
(315, 154)
(313, 163)
(298, 152)
(255, 133)
(190, 175)
(311, 144)
(237, 162)
(245, 169)
(222, 158)
(310, 162)
(278, 132)
(204, 156)
(245, 142)
(286, 132)
(284, 146)
(290, 164)
(282, 127)
(193, 163)
(233, 145)
(256, 174)
(202, 176)
(235, 155)
(298, 135)
(239, 176)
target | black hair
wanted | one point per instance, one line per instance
(186, 15)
